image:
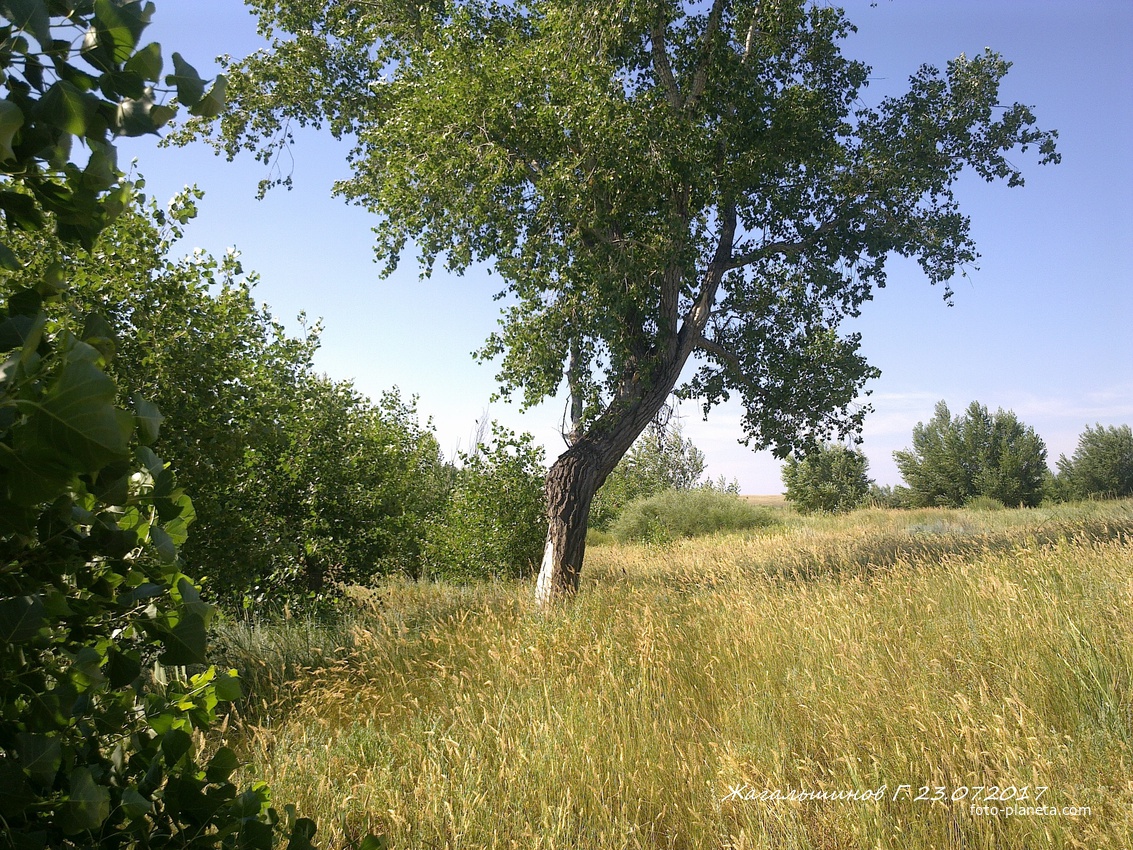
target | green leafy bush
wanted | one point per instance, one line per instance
(495, 522)
(832, 478)
(308, 480)
(984, 503)
(953, 460)
(99, 726)
(672, 514)
(661, 459)
(1102, 464)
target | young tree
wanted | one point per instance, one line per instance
(953, 460)
(655, 182)
(831, 478)
(1102, 465)
(494, 523)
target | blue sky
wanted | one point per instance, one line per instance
(1042, 327)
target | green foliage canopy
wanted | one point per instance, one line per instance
(100, 724)
(953, 460)
(495, 519)
(830, 478)
(306, 479)
(652, 181)
(94, 606)
(1102, 464)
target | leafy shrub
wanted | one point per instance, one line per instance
(98, 724)
(832, 478)
(673, 514)
(661, 459)
(1102, 464)
(953, 460)
(308, 480)
(495, 523)
(984, 503)
(888, 496)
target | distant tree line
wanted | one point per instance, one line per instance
(977, 457)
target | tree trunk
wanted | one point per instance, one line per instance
(571, 484)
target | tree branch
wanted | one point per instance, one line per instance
(719, 352)
(662, 67)
(692, 329)
(700, 76)
(788, 248)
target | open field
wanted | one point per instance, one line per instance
(875, 655)
(776, 499)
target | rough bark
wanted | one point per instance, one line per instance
(576, 476)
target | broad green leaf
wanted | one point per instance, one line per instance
(190, 86)
(185, 643)
(136, 805)
(149, 460)
(212, 104)
(221, 765)
(11, 120)
(149, 419)
(15, 793)
(87, 805)
(185, 798)
(8, 260)
(25, 302)
(123, 23)
(40, 756)
(54, 281)
(163, 543)
(15, 331)
(102, 168)
(174, 745)
(123, 668)
(30, 16)
(302, 834)
(21, 618)
(228, 687)
(141, 116)
(77, 417)
(146, 62)
(21, 211)
(68, 109)
(86, 669)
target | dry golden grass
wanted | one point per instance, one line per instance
(937, 648)
(775, 499)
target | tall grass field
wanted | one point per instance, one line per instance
(894, 680)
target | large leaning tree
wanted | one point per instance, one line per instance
(656, 182)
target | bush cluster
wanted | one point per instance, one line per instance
(494, 522)
(830, 479)
(956, 459)
(100, 726)
(673, 514)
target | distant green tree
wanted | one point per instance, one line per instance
(1102, 464)
(495, 521)
(953, 460)
(661, 459)
(830, 478)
